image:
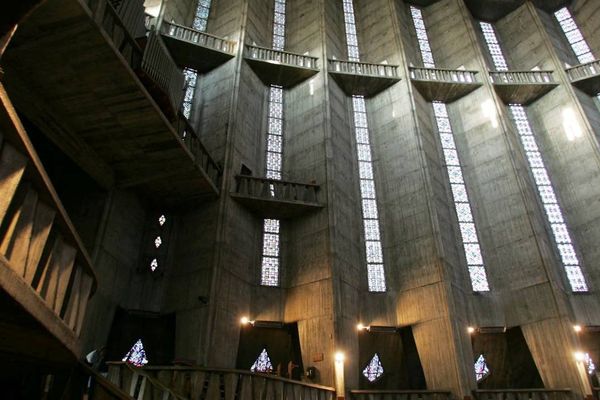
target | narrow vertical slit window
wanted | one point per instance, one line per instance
(468, 230)
(554, 214)
(373, 247)
(271, 260)
(576, 40)
(191, 75)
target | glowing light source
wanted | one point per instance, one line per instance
(579, 355)
(245, 321)
(470, 329)
(339, 356)
(577, 328)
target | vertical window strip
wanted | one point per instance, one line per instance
(373, 247)
(273, 166)
(279, 25)
(351, 36)
(574, 36)
(201, 16)
(422, 37)
(554, 214)
(191, 75)
(470, 239)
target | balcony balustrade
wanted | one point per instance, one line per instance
(272, 198)
(522, 87)
(280, 68)
(524, 394)
(445, 85)
(586, 77)
(108, 100)
(364, 79)
(44, 267)
(400, 395)
(205, 383)
(195, 49)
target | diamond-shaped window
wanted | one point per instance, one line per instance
(374, 369)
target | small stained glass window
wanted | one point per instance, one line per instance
(136, 355)
(481, 368)
(263, 363)
(374, 369)
(157, 242)
(161, 220)
(153, 265)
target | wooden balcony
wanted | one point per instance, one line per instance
(205, 383)
(46, 276)
(271, 198)
(445, 85)
(194, 49)
(492, 10)
(139, 384)
(280, 67)
(524, 394)
(364, 79)
(586, 77)
(110, 105)
(400, 395)
(522, 87)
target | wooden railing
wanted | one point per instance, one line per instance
(443, 75)
(139, 384)
(40, 252)
(360, 68)
(160, 67)
(522, 77)
(524, 394)
(400, 395)
(196, 37)
(213, 384)
(108, 18)
(584, 71)
(283, 57)
(272, 189)
(189, 136)
(131, 13)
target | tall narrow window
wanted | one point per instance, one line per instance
(554, 214)
(373, 247)
(191, 75)
(574, 36)
(468, 231)
(576, 40)
(271, 260)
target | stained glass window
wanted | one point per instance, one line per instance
(201, 17)
(161, 220)
(351, 37)
(157, 242)
(374, 369)
(136, 355)
(462, 205)
(554, 214)
(270, 264)
(373, 248)
(481, 368)
(574, 36)
(153, 265)
(589, 364)
(263, 363)
(279, 25)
